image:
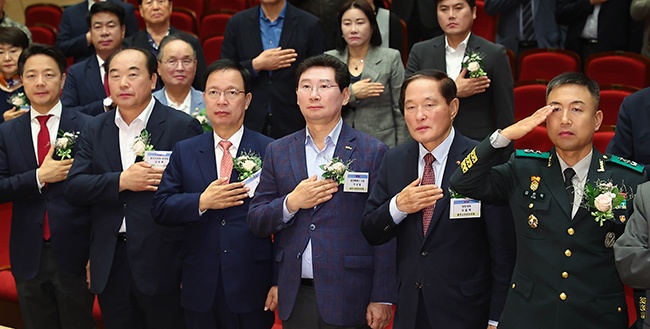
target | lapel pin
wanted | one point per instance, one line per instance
(348, 147)
(457, 162)
(601, 166)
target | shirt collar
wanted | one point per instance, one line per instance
(187, 102)
(281, 16)
(92, 2)
(441, 151)
(235, 139)
(581, 167)
(461, 46)
(143, 117)
(54, 111)
(332, 137)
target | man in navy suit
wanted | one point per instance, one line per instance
(156, 15)
(86, 88)
(74, 35)
(227, 271)
(329, 276)
(134, 264)
(461, 264)
(49, 237)
(270, 40)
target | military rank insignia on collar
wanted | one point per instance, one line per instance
(626, 163)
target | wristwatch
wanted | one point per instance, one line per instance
(108, 104)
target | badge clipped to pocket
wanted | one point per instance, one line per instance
(356, 182)
(461, 208)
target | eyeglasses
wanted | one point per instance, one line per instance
(308, 89)
(230, 94)
(185, 62)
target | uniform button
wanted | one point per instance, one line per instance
(570, 231)
(298, 255)
(124, 206)
(531, 205)
(619, 309)
(562, 296)
(312, 227)
(225, 251)
(567, 253)
(513, 286)
(223, 222)
(565, 274)
(424, 253)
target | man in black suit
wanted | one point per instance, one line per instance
(272, 58)
(420, 18)
(74, 37)
(599, 25)
(156, 15)
(49, 237)
(460, 265)
(86, 88)
(137, 282)
(487, 102)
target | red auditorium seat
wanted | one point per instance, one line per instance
(611, 97)
(619, 67)
(546, 63)
(484, 25)
(43, 13)
(212, 48)
(213, 25)
(43, 34)
(529, 97)
(535, 140)
(601, 140)
(184, 19)
(225, 6)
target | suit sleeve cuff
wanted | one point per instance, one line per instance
(396, 214)
(493, 323)
(38, 182)
(286, 215)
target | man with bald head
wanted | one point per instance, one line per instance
(137, 283)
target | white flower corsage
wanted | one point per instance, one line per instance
(247, 164)
(473, 62)
(336, 169)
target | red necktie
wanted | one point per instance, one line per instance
(226, 161)
(43, 146)
(428, 178)
(106, 88)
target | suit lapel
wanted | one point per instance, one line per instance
(345, 145)
(156, 124)
(553, 178)
(112, 148)
(206, 158)
(288, 28)
(298, 162)
(411, 159)
(255, 35)
(439, 54)
(373, 60)
(23, 133)
(94, 78)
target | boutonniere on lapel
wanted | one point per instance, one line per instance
(20, 101)
(336, 169)
(202, 116)
(142, 143)
(247, 164)
(473, 62)
(601, 198)
(64, 144)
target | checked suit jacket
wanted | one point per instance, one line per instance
(348, 272)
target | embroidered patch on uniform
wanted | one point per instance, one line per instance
(469, 161)
(626, 163)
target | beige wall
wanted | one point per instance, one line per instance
(16, 8)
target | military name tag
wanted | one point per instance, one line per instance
(356, 182)
(464, 208)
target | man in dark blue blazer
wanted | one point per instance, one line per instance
(461, 264)
(227, 271)
(137, 282)
(49, 237)
(84, 88)
(631, 136)
(157, 26)
(74, 36)
(272, 60)
(329, 276)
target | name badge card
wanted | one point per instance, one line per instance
(464, 208)
(158, 159)
(356, 182)
(252, 182)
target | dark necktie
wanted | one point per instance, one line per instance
(43, 146)
(528, 29)
(428, 178)
(569, 173)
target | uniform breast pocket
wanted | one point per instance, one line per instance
(533, 214)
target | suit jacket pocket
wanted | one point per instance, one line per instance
(360, 262)
(262, 253)
(522, 284)
(279, 254)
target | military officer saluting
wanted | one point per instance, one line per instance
(569, 205)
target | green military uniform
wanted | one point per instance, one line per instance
(564, 276)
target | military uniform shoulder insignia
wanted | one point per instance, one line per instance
(626, 163)
(528, 153)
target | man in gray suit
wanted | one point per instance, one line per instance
(487, 102)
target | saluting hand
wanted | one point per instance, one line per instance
(522, 127)
(415, 197)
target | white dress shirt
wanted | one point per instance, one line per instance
(184, 106)
(235, 139)
(454, 57)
